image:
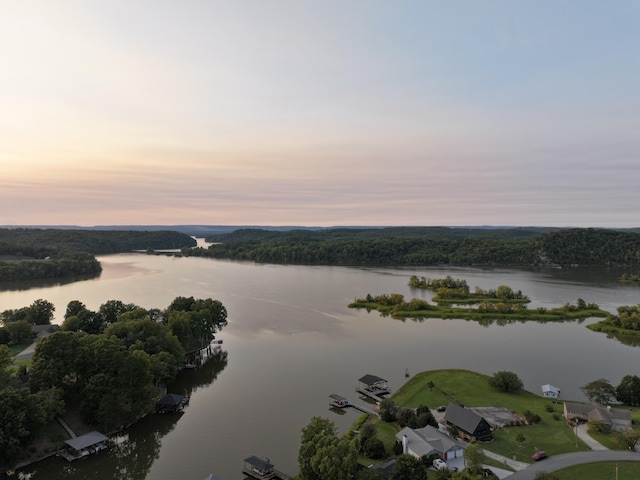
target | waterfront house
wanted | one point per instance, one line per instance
(470, 425)
(617, 419)
(429, 441)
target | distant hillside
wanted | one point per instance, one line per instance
(524, 246)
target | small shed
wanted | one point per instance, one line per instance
(549, 391)
(171, 403)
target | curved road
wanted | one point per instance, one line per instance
(558, 462)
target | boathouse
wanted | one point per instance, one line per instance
(84, 445)
(260, 468)
(373, 387)
(171, 403)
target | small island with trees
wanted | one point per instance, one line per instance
(500, 304)
(456, 291)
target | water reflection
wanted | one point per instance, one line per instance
(44, 283)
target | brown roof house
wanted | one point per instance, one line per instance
(470, 425)
(616, 418)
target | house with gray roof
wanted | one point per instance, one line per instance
(428, 441)
(470, 425)
(617, 418)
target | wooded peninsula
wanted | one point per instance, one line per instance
(36, 254)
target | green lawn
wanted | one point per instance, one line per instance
(468, 388)
(601, 471)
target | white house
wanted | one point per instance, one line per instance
(549, 391)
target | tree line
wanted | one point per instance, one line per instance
(109, 364)
(36, 254)
(422, 246)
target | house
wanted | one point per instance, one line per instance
(470, 425)
(429, 441)
(84, 445)
(549, 391)
(616, 418)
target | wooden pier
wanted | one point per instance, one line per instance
(338, 401)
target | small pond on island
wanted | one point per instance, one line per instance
(291, 342)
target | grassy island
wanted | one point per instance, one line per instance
(625, 324)
(456, 291)
(394, 305)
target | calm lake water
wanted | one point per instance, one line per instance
(291, 341)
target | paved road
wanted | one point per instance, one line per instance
(558, 462)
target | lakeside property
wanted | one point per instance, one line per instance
(515, 440)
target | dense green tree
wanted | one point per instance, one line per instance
(600, 391)
(388, 410)
(374, 448)
(323, 455)
(474, 458)
(54, 361)
(20, 332)
(41, 312)
(112, 309)
(408, 467)
(505, 381)
(21, 420)
(74, 308)
(628, 391)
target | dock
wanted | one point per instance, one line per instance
(338, 401)
(373, 387)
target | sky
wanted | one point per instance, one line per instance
(320, 113)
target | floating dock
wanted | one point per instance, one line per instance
(338, 401)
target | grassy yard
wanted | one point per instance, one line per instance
(472, 389)
(601, 471)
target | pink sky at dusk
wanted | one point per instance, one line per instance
(320, 114)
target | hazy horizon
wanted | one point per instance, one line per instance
(408, 113)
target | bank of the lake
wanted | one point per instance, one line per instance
(291, 341)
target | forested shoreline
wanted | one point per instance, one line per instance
(418, 246)
(109, 365)
(36, 254)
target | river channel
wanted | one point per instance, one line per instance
(291, 341)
